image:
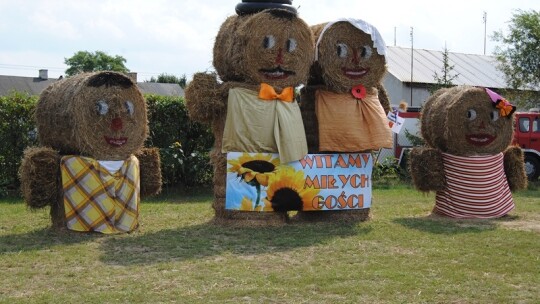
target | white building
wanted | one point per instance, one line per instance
(474, 70)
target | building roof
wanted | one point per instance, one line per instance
(34, 86)
(163, 89)
(476, 70)
(30, 85)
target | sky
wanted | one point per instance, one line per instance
(176, 37)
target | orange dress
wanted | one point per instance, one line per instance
(347, 124)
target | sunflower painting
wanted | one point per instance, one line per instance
(254, 170)
(247, 205)
(286, 191)
(319, 182)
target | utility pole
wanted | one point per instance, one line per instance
(394, 36)
(485, 31)
(412, 63)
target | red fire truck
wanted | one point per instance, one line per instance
(527, 136)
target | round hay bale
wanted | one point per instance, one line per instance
(514, 167)
(274, 46)
(309, 118)
(425, 167)
(150, 168)
(223, 52)
(202, 100)
(41, 184)
(101, 115)
(39, 175)
(463, 121)
(347, 56)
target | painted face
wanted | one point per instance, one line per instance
(279, 49)
(117, 122)
(348, 58)
(475, 126)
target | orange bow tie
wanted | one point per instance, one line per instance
(505, 108)
(267, 92)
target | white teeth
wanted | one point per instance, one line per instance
(483, 139)
(276, 74)
(355, 73)
(116, 142)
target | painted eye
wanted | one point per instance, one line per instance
(494, 115)
(269, 42)
(291, 45)
(102, 107)
(129, 107)
(366, 52)
(342, 50)
(471, 114)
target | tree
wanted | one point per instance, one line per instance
(518, 56)
(166, 78)
(444, 80)
(84, 61)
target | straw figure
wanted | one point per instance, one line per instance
(344, 105)
(467, 159)
(91, 167)
(260, 55)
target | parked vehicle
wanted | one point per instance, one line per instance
(527, 136)
(403, 144)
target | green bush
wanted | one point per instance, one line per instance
(184, 145)
(386, 173)
(17, 131)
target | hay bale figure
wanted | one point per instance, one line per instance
(468, 160)
(91, 167)
(344, 105)
(260, 55)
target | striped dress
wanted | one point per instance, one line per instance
(476, 187)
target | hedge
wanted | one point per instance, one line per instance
(17, 131)
(184, 145)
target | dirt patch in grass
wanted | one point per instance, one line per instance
(530, 222)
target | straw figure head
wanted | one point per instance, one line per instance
(273, 46)
(348, 53)
(466, 121)
(100, 115)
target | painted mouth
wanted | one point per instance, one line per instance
(354, 73)
(480, 139)
(116, 142)
(277, 73)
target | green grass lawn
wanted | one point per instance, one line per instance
(399, 256)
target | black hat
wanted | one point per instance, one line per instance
(254, 6)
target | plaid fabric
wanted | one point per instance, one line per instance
(96, 200)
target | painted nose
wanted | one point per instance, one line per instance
(355, 59)
(482, 126)
(116, 124)
(279, 58)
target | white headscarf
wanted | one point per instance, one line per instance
(362, 25)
